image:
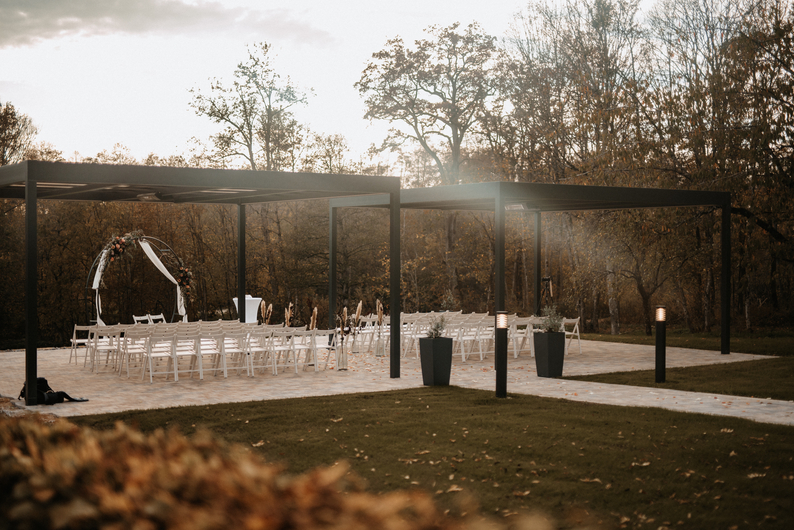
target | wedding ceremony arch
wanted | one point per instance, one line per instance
(115, 249)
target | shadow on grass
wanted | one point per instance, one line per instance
(765, 379)
(618, 465)
(779, 342)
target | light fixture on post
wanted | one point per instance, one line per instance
(500, 345)
(661, 340)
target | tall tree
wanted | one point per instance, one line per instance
(255, 113)
(16, 134)
(434, 92)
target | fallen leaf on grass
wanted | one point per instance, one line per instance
(756, 475)
(520, 493)
(336, 421)
(260, 443)
(640, 464)
(454, 488)
(422, 452)
(590, 480)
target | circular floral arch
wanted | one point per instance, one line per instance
(114, 250)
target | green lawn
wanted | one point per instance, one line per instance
(582, 463)
(768, 378)
(778, 342)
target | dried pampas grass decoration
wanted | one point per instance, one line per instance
(344, 320)
(379, 309)
(358, 313)
(268, 314)
(262, 309)
(288, 316)
(313, 323)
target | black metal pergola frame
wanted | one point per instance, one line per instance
(538, 198)
(34, 180)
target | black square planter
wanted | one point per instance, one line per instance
(436, 355)
(549, 353)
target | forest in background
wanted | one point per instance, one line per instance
(697, 94)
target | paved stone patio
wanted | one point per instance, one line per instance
(108, 392)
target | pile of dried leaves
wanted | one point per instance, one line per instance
(64, 476)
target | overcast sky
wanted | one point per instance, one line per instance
(91, 73)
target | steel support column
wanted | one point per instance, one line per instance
(536, 269)
(241, 262)
(31, 293)
(332, 228)
(500, 332)
(725, 281)
(499, 252)
(394, 283)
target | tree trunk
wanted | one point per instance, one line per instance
(449, 253)
(614, 312)
(684, 305)
(594, 317)
(513, 295)
(707, 301)
(773, 282)
(646, 312)
(525, 292)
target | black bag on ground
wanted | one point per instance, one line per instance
(46, 395)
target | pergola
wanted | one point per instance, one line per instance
(537, 198)
(34, 180)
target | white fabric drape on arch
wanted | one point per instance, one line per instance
(100, 270)
(147, 249)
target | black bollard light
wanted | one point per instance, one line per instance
(661, 340)
(500, 345)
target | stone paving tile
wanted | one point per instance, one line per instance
(110, 393)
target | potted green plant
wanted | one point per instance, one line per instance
(549, 343)
(435, 351)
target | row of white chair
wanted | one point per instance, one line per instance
(521, 329)
(196, 347)
(476, 330)
(276, 346)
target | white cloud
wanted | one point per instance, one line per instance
(28, 22)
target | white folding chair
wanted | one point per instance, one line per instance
(235, 350)
(326, 340)
(133, 350)
(281, 345)
(156, 319)
(160, 350)
(260, 350)
(569, 335)
(105, 342)
(304, 344)
(210, 345)
(520, 333)
(187, 344)
(144, 319)
(79, 340)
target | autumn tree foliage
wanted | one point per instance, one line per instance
(64, 476)
(16, 134)
(255, 113)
